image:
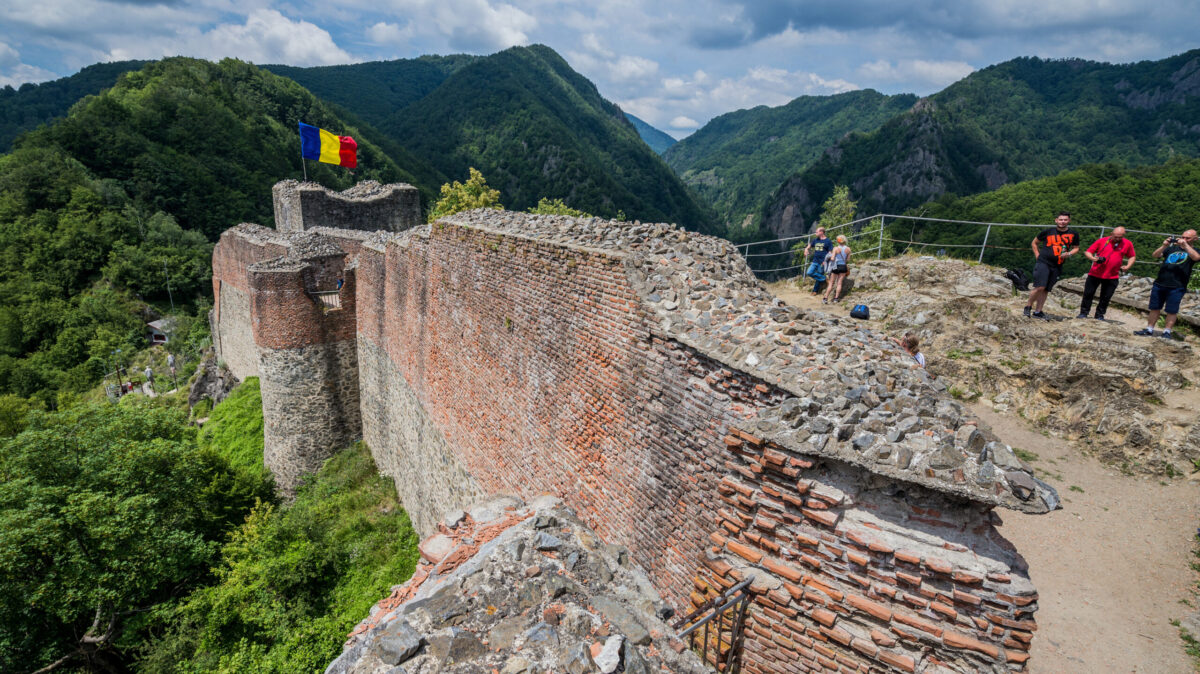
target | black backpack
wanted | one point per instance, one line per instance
(860, 311)
(1019, 278)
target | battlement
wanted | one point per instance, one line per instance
(368, 206)
(643, 374)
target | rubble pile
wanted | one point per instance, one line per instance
(515, 589)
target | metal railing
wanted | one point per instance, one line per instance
(328, 299)
(881, 239)
(728, 610)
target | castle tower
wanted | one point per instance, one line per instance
(303, 315)
(368, 207)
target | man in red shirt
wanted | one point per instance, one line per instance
(1110, 255)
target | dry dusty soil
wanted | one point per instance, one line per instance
(1112, 566)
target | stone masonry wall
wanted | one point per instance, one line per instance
(851, 574)
(368, 206)
(308, 364)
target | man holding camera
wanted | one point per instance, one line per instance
(1178, 255)
(1110, 256)
(1057, 244)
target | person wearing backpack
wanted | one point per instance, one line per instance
(1110, 255)
(840, 256)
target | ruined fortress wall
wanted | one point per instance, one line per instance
(368, 207)
(497, 363)
(233, 335)
(308, 364)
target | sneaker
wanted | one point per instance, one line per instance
(824, 300)
(1083, 316)
(1026, 311)
(1145, 332)
(1099, 318)
(1039, 314)
(1166, 334)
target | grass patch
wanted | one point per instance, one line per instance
(956, 353)
(235, 429)
(1025, 455)
(1076, 488)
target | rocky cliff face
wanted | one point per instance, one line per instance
(516, 589)
(913, 158)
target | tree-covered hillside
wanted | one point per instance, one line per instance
(100, 209)
(205, 142)
(736, 159)
(1162, 198)
(1026, 118)
(533, 126)
(25, 108)
(657, 140)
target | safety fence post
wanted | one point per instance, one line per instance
(882, 220)
(985, 240)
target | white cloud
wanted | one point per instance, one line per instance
(15, 73)
(389, 33)
(928, 74)
(270, 37)
(682, 122)
(470, 25)
(703, 97)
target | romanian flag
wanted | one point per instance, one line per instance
(323, 146)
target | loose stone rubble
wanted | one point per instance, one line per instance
(1127, 399)
(518, 589)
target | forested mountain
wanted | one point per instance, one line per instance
(98, 209)
(25, 108)
(1022, 119)
(738, 158)
(533, 126)
(658, 141)
(1162, 198)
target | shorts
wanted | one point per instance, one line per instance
(1045, 275)
(1168, 297)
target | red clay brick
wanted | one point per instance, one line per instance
(875, 610)
(956, 640)
(919, 623)
(745, 551)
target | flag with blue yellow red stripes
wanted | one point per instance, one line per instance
(323, 146)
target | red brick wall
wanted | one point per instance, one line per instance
(852, 576)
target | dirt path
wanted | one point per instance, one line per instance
(1112, 565)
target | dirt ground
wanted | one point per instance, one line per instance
(1112, 566)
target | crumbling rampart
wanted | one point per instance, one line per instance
(643, 375)
(368, 206)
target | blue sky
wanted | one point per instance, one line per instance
(674, 63)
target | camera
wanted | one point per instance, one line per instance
(1172, 239)
(1101, 259)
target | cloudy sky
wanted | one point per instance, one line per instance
(674, 63)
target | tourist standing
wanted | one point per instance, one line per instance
(149, 379)
(818, 247)
(1110, 256)
(1051, 247)
(839, 270)
(1178, 256)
